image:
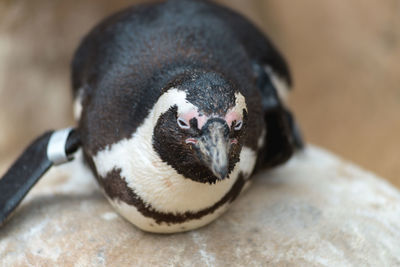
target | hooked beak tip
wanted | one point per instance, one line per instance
(220, 172)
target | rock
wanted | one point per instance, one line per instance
(317, 210)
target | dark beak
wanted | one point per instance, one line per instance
(214, 147)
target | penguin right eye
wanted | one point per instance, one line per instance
(182, 123)
(238, 125)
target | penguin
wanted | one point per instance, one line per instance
(178, 104)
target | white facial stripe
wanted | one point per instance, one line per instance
(173, 97)
(279, 83)
(240, 103)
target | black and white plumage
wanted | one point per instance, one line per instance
(179, 103)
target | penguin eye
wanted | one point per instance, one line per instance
(238, 125)
(182, 123)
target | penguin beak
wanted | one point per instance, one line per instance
(214, 147)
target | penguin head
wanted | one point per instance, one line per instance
(202, 130)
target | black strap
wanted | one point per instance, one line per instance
(27, 170)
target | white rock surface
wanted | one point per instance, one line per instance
(317, 210)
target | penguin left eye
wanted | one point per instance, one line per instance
(238, 125)
(182, 123)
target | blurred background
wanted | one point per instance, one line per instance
(344, 56)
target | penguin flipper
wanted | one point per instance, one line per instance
(283, 136)
(32, 164)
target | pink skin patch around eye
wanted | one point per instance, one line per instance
(232, 116)
(188, 116)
